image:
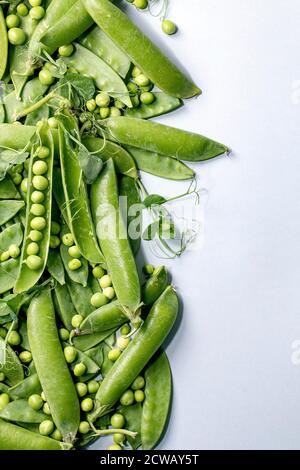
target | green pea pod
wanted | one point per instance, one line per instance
(94, 284)
(14, 437)
(19, 410)
(160, 165)
(3, 388)
(70, 26)
(105, 78)
(124, 163)
(96, 354)
(79, 275)
(38, 115)
(9, 271)
(76, 197)
(112, 235)
(22, 139)
(12, 235)
(130, 191)
(8, 189)
(146, 342)
(4, 44)
(86, 342)
(142, 52)
(101, 45)
(27, 387)
(155, 285)
(133, 418)
(28, 277)
(51, 366)
(2, 114)
(24, 336)
(8, 209)
(91, 366)
(10, 364)
(33, 90)
(162, 104)
(81, 298)
(103, 319)
(158, 393)
(63, 305)
(55, 266)
(165, 140)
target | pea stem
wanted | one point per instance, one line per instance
(107, 432)
(35, 106)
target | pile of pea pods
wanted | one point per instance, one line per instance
(81, 333)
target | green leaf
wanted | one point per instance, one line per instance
(154, 200)
(8, 158)
(90, 164)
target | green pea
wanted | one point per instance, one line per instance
(118, 104)
(70, 354)
(87, 405)
(114, 447)
(54, 242)
(17, 179)
(22, 9)
(5, 256)
(98, 272)
(55, 228)
(14, 339)
(83, 117)
(14, 251)
(91, 105)
(122, 342)
(46, 427)
(125, 330)
(76, 321)
(98, 300)
(64, 334)
(4, 400)
(79, 369)
(13, 325)
(168, 27)
(46, 409)
(43, 152)
(40, 182)
(114, 354)
(37, 13)
(19, 168)
(24, 185)
(115, 112)
(117, 421)
(74, 264)
(34, 262)
(66, 50)
(36, 235)
(45, 77)
(135, 100)
(142, 80)
(132, 88)
(37, 209)
(53, 123)
(109, 292)
(40, 167)
(127, 398)
(148, 269)
(102, 100)
(35, 402)
(138, 383)
(37, 197)
(68, 239)
(139, 396)
(3, 332)
(35, 3)
(147, 98)
(81, 388)
(74, 251)
(43, 396)
(12, 21)
(105, 281)
(84, 427)
(25, 357)
(119, 438)
(38, 223)
(136, 72)
(32, 249)
(56, 435)
(104, 113)
(141, 4)
(92, 386)
(2, 377)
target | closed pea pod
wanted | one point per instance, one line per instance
(158, 392)
(10, 364)
(155, 285)
(162, 104)
(162, 139)
(144, 345)
(14, 437)
(20, 411)
(4, 44)
(63, 305)
(130, 191)
(81, 298)
(27, 387)
(103, 319)
(51, 366)
(88, 341)
(55, 266)
(143, 53)
(114, 243)
(8, 189)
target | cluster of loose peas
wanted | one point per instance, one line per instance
(167, 26)
(12, 252)
(16, 35)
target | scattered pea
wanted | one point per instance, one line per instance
(46, 409)
(66, 50)
(105, 281)
(142, 80)
(76, 321)
(5, 256)
(37, 197)
(98, 300)
(98, 272)
(92, 386)
(148, 269)
(32, 249)
(74, 264)
(35, 3)
(43, 396)
(104, 113)
(43, 152)
(12, 21)
(102, 100)
(55, 228)
(136, 72)
(119, 104)
(37, 209)
(37, 13)
(168, 27)
(125, 330)
(114, 447)
(34, 262)
(123, 342)
(74, 251)
(54, 242)
(135, 100)
(40, 183)
(70, 354)
(4, 400)
(114, 354)
(22, 9)
(17, 179)
(138, 383)
(45, 76)
(127, 398)
(87, 405)
(117, 421)
(56, 435)
(147, 97)
(119, 438)
(141, 4)
(132, 88)
(36, 235)
(64, 334)
(46, 427)
(35, 402)
(109, 292)
(14, 251)
(14, 339)
(3, 332)
(25, 357)
(68, 239)
(81, 388)
(79, 369)
(139, 396)
(38, 223)
(84, 427)
(91, 105)
(115, 112)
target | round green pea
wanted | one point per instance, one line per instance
(74, 264)
(139, 396)
(14, 251)
(36, 235)
(35, 402)
(105, 281)
(87, 405)
(127, 398)
(5, 256)
(43, 152)
(17, 179)
(135, 100)
(34, 262)
(141, 4)
(84, 427)
(32, 249)
(70, 354)
(142, 80)
(19, 168)
(46, 409)
(148, 269)
(24, 185)
(147, 98)
(119, 104)
(46, 427)
(136, 72)
(37, 13)
(168, 27)
(66, 50)
(76, 321)
(46, 77)
(104, 113)
(40, 182)
(119, 438)
(55, 228)
(98, 300)
(114, 354)
(37, 209)
(4, 400)
(138, 383)
(25, 357)
(115, 112)
(98, 272)
(109, 292)
(122, 342)
(64, 334)
(22, 9)
(12, 21)
(3, 332)
(81, 388)
(92, 386)
(35, 3)
(102, 100)
(91, 105)
(74, 251)
(125, 330)
(68, 239)
(114, 447)
(14, 339)
(117, 421)
(40, 167)
(37, 197)
(132, 88)
(2, 377)
(53, 123)
(54, 242)
(79, 369)
(38, 223)
(56, 435)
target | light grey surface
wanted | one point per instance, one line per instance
(236, 383)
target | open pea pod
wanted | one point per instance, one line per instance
(63, 304)
(4, 44)
(33, 90)
(105, 78)
(9, 271)
(33, 266)
(8, 189)
(124, 163)
(81, 297)
(89, 341)
(55, 266)
(27, 387)
(79, 275)
(12, 235)
(9, 208)
(10, 364)
(91, 366)
(19, 410)
(162, 104)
